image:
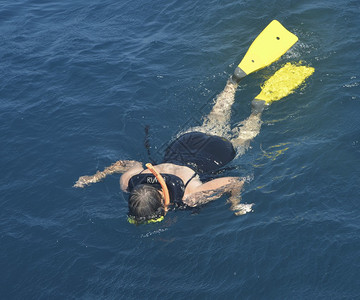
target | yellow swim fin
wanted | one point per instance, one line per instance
(282, 83)
(268, 47)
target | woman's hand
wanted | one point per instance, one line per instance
(239, 208)
(87, 180)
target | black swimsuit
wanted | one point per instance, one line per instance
(174, 184)
(203, 153)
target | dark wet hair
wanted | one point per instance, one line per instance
(145, 203)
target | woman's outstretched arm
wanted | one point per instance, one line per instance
(121, 166)
(214, 189)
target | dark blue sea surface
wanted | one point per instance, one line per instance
(79, 82)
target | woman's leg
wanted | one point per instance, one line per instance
(218, 120)
(246, 131)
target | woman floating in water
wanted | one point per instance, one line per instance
(202, 150)
(205, 149)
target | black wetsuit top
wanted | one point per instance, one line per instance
(174, 184)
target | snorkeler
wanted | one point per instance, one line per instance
(202, 150)
(205, 149)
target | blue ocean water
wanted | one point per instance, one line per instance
(80, 80)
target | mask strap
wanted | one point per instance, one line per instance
(161, 180)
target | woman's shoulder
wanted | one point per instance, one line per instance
(124, 179)
(177, 170)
